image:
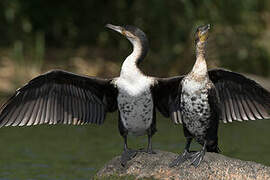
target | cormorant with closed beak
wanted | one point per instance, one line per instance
(61, 97)
(205, 97)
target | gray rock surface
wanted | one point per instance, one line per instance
(214, 166)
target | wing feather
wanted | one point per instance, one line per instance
(231, 105)
(9, 115)
(21, 114)
(65, 109)
(235, 107)
(60, 97)
(35, 109)
(44, 108)
(90, 113)
(223, 106)
(243, 99)
(247, 109)
(29, 112)
(39, 109)
(167, 93)
(228, 112)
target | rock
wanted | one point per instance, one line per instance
(214, 166)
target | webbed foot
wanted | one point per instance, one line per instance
(181, 159)
(127, 155)
(197, 157)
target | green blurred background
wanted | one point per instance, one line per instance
(37, 36)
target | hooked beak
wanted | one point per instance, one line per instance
(115, 28)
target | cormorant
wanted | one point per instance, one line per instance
(61, 97)
(205, 97)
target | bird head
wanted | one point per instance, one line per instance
(132, 33)
(202, 33)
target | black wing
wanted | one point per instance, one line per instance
(167, 92)
(241, 98)
(60, 97)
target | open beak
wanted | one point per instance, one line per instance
(115, 28)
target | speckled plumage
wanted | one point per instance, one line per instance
(196, 110)
(205, 97)
(199, 106)
(135, 105)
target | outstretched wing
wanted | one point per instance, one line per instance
(167, 92)
(60, 97)
(241, 98)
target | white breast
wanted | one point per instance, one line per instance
(135, 103)
(190, 85)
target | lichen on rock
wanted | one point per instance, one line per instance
(214, 166)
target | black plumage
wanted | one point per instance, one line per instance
(205, 97)
(60, 97)
(242, 98)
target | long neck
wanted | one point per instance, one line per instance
(130, 65)
(200, 66)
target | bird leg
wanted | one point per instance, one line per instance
(128, 154)
(149, 146)
(184, 156)
(149, 149)
(198, 156)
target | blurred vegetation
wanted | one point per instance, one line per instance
(40, 35)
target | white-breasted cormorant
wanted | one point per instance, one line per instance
(60, 97)
(205, 97)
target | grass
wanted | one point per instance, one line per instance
(70, 152)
